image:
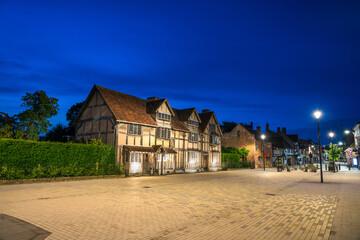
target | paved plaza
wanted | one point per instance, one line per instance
(239, 204)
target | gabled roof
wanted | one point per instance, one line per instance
(129, 108)
(153, 105)
(184, 114)
(205, 120)
(279, 140)
(177, 124)
(126, 107)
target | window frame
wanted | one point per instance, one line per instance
(163, 116)
(132, 131)
(193, 137)
(163, 133)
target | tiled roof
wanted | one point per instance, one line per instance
(278, 140)
(133, 109)
(205, 119)
(126, 107)
(152, 106)
(177, 124)
(184, 114)
(152, 149)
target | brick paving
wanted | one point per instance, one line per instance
(242, 204)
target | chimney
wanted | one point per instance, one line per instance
(258, 129)
(284, 130)
(152, 99)
(278, 130)
(251, 125)
(205, 110)
(267, 127)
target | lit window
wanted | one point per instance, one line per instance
(256, 147)
(214, 139)
(193, 157)
(134, 129)
(135, 157)
(194, 137)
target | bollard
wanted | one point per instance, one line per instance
(325, 167)
(339, 167)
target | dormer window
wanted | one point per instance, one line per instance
(193, 123)
(134, 129)
(164, 116)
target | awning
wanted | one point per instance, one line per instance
(170, 150)
(138, 148)
(153, 149)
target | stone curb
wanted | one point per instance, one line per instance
(57, 179)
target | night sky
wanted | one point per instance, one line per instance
(260, 61)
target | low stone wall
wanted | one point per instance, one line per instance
(57, 179)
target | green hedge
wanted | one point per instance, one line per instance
(233, 160)
(31, 159)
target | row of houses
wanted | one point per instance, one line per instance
(276, 144)
(151, 137)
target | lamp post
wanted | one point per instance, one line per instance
(263, 137)
(331, 135)
(347, 132)
(317, 115)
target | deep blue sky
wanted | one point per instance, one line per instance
(260, 61)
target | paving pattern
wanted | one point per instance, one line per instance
(242, 204)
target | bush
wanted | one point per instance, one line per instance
(233, 160)
(31, 159)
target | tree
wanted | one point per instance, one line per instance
(32, 122)
(71, 115)
(244, 153)
(334, 154)
(57, 133)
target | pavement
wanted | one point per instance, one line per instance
(239, 204)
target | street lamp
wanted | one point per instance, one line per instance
(331, 135)
(347, 132)
(317, 115)
(263, 137)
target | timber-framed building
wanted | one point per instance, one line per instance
(151, 137)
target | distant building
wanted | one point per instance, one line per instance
(282, 145)
(243, 135)
(150, 136)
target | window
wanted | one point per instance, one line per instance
(134, 129)
(193, 157)
(194, 137)
(238, 133)
(256, 147)
(214, 139)
(135, 157)
(193, 123)
(163, 133)
(212, 127)
(164, 116)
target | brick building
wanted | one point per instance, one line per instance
(243, 135)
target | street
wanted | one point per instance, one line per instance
(235, 204)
